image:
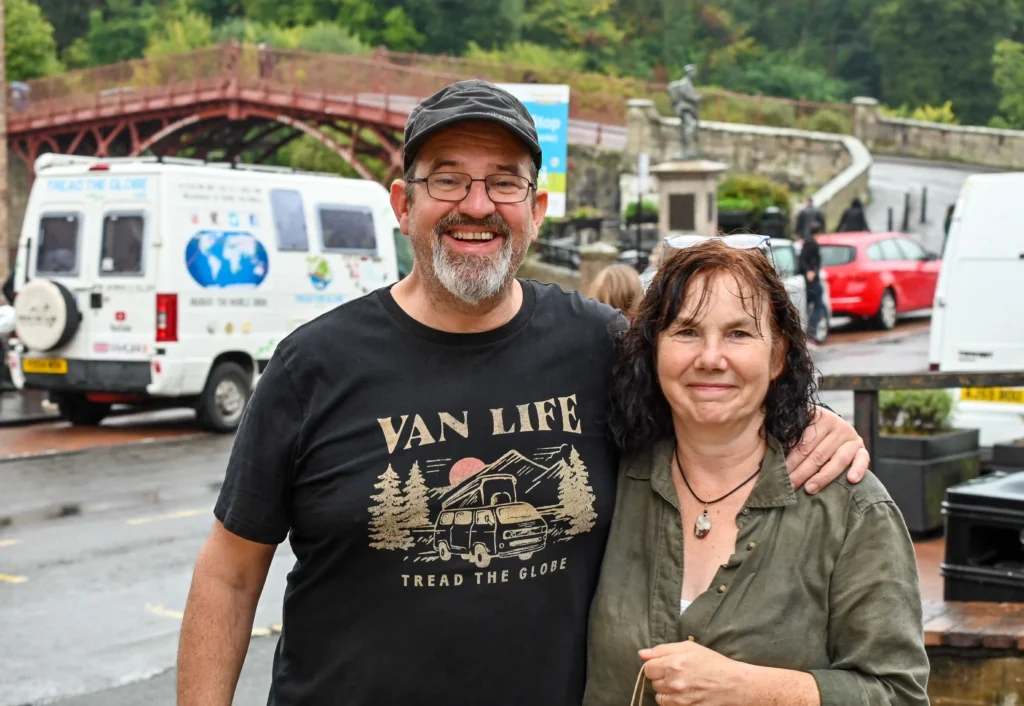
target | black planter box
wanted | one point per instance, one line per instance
(1008, 455)
(984, 556)
(917, 470)
(924, 448)
(734, 221)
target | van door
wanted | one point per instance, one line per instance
(124, 327)
(58, 253)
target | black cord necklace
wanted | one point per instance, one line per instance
(702, 526)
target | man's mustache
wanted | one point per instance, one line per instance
(493, 222)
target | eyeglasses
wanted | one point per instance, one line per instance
(739, 242)
(455, 186)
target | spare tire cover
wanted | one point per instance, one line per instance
(45, 315)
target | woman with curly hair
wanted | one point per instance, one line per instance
(720, 583)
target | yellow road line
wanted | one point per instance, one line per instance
(9, 542)
(158, 609)
(171, 516)
(7, 578)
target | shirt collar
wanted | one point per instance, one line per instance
(772, 489)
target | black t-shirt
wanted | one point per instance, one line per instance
(448, 498)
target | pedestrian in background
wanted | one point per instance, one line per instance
(619, 287)
(853, 219)
(810, 267)
(807, 217)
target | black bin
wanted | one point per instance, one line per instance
(985, 539)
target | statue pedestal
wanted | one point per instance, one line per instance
(688, 196)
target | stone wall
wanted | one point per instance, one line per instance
(593, 178)
(831, 169)
(958, 143)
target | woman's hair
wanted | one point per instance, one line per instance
(618, 286)
(640, 413)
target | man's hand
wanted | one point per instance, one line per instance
(829, 446)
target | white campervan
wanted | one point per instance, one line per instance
(978, 311)
(170, 282)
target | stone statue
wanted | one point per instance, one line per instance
(686, 104)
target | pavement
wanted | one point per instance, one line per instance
(891, 179)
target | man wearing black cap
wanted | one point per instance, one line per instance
(436, 453)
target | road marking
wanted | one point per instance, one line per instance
(7, 578)
(171, 516)
(164, 612)
(9, 542)
(159, 609)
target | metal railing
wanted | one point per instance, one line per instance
(596, 98)
(866, 388)
(558, 253)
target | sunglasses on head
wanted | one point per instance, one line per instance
(739, 242)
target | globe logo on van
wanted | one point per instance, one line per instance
(217, 258)
(319, 272)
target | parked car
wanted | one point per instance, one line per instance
(784, 252)
(878, 276)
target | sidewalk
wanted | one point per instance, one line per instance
(18, 408)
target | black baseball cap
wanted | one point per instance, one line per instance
(469, 100)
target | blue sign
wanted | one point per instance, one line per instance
(217, 258)
(548, 104)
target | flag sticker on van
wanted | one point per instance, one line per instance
(217, 258)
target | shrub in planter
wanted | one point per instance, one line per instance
(648, 215)
(759, 190)
(918, 456)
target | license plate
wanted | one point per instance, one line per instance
(1011, 395)
(56, 366)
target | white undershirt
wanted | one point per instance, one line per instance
(683, 605)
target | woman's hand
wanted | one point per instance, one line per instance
(829, 446)
(687, 674)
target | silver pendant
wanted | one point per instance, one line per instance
(703, 525)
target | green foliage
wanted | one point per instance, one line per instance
(650, 208)
(734, 204)
(914, 412)
(828, 121)
(330, 38)
(542, 60)
(760, 191)
(928, 113)
(1008, 61)
(119, 32)
(29, 47)
(179, 34)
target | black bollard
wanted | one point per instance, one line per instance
(924, 203)
(890, 220)
(906, 213)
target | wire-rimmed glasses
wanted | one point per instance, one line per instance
(455, 186)
(739, 241)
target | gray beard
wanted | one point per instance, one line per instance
(476, 278)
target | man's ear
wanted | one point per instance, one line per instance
(540, 209)
(400, 204)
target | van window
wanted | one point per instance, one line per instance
(58, 245)
(464, 517)
(835, 255)
(348, 229)
(123, 237)
(446, 518)
(403, 253)
(289, 220)
(785, 261)
(484, 517)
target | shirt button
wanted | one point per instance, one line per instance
(722, 588)
(751, 545)
(691, 638)
(746, 511)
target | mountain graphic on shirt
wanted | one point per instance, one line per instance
(529, 502)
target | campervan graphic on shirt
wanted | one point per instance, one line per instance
(219, 258)
(512, 508)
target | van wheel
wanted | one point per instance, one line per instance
(885, 319)
(527, 556)
(481, 557)
(80, 411)
(223, 400)
(443, 551)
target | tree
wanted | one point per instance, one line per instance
(417, 511)
(576, 496)
(386, 530)
(120, 32)
(180, 34)
(1008, 61)
(29, 47)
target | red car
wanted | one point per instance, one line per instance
(878, 275)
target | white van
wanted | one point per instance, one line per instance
(978, 311)
(170, 282)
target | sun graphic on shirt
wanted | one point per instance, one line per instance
(463, 469)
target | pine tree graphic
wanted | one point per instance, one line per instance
(576, 496)
(417, 514)
(386, 528)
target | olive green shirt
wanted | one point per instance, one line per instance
(825, 584)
